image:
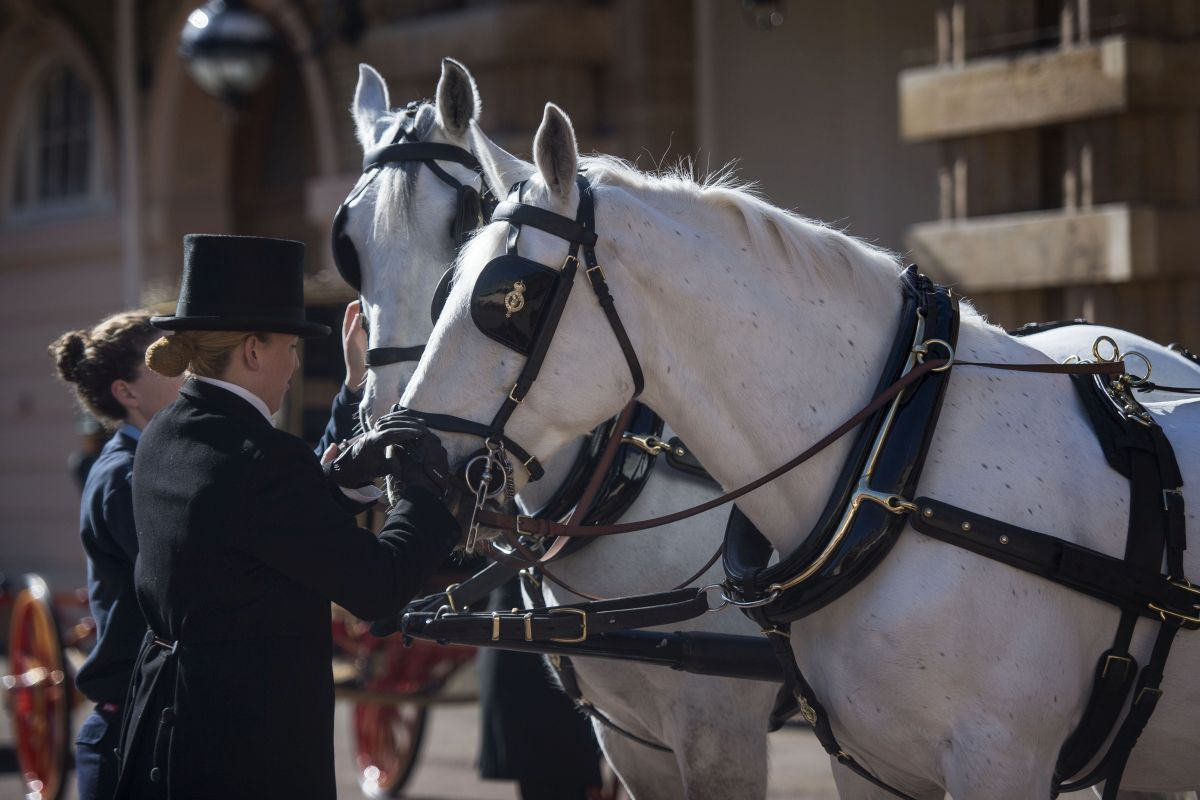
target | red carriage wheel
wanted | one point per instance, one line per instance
(39, 693)
(387, 742)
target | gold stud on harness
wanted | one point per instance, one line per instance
(514, 301)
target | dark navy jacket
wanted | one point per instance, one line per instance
(343, 417)
(110, 541)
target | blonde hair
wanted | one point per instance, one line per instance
(202, 353)
(91, 360)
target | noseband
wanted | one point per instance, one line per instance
(472, 209)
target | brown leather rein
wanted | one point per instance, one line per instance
(522, 525)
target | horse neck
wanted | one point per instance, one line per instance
(756, 351)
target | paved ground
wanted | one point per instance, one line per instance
(799, 768)
(446, 770)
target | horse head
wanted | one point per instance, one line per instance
(495, 319)
(400, 228)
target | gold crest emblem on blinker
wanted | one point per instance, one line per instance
(514, 301)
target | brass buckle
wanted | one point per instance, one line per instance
(590, 270)
(495, 626)
(449, 592)
(582, 624)
(1184, 583)
(651, 444)
(520, 532)
(1163, 613)
(516, 400)
(922, 350)
(528, 620)
(1111, 659)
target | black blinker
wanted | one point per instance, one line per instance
(510, 298)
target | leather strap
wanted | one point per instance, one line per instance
(382, 356)
(574, 623)
(517, 213)
(543, 527)
(452, 424)
(419, 151)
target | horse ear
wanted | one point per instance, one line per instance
(458, 100)
(370, 103)
(555, 152)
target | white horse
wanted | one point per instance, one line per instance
(758, 332)
(400, 229)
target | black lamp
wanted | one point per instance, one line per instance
(228, 49)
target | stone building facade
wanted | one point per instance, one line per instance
(1069, 159)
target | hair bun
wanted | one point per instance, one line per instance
(69, 352)
(170, 355)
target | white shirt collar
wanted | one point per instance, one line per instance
(242, 392)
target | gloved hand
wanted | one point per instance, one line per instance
(364, 458)
(418, 458)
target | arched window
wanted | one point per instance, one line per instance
(55, 159)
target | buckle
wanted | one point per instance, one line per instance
(1108, 660)
(527, 518)
(582, 624)
(596, 268)
(449, 592)
(527, 619)
(1184, 619)
(495, 626)
(170, 647)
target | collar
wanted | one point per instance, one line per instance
(130, 430)
(242, 392)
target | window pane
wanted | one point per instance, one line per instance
(56, 161)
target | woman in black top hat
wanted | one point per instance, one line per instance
(244, 540)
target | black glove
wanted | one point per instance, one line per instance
(418, 459)
(364, 458)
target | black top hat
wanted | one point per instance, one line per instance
(241, 283)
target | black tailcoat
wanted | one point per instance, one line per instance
(243, 544)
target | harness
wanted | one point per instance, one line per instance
(865, 514)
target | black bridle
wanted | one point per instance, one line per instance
(493, 302)
(472, 208)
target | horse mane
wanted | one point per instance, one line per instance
(396, 186)
(811, 246)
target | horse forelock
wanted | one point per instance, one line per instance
(396, 186)
(812, 247)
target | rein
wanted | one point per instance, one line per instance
(528, 526)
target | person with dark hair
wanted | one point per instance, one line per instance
(244, 540)
(106, 367)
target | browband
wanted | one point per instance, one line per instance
(418, 151)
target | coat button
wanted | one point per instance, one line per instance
(155, 775)
(168, 715)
